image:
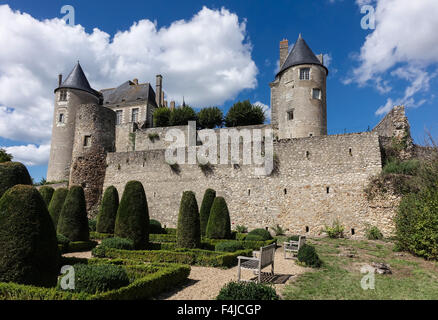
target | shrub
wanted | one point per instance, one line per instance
(132, 221)
(62, 240)
(278, 230)
(241, 236)
(56, 204)
(106, 218)
(118, 243)
(4, 156)
(204, 212)
(373, 233)
(247, 291)
(241, 229)
(73, 221)
(92, 225)
(307, 255)
(155, 227)
(11, 174)
(293, 238)
(161, 117)
(189, 228)
(259, 235)
(408, 167)
(335, 231)
(29, 249)
(244, 114)
(180, 116)
(219, 226)
(210, 117)
(99, 278)
(47, 194)
(229, 246)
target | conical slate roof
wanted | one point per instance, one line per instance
(77, 80)
(300, 54)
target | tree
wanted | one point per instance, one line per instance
(189, 228)
(73, 221)
(244, 114)
(4, 156)
(162, 117)
(180, 116)
(29, 249)
(106, 218)
(206, 204)
(56, 204)
(219, 226)
(132, 221)
(210, 118)
(11, 174)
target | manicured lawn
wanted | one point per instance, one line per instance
(340, 276)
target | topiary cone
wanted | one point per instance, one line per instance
(219, 226)
(73, 221)
(132, 221)
(204, 212)
(29, 249)
(46, 194)
(189, 228)
(106, 219)
(56, 204)
(11, 174)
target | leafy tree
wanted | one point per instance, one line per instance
(210, 118)
(162, 117)
(4, 156)
(180, 116)
(244, 114)
(189, 229)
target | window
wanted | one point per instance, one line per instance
(327, 189)
(307, 229)
(352, 232)
(87, 141)
(134, 115)
(305, 74)
(61, 118)
(119, 114)
(290, 114)
(316, 93)
(63, 95)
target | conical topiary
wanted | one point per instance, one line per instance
(132, 221)
(219, 226)
(29, 250)
(204, 212)
(189, 228)
(11, 174)
(56, 204)
(106, 219)
(47, 194)
(73, 221)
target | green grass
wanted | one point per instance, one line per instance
(339, 277)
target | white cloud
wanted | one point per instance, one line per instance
(404, 38)
(266, 109)
(207, 59)
(327, 58)
(30, 155)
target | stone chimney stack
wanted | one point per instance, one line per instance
(135, 81)
(162, 98)
(320, 58)
(59, 80)
(284, 51)
(159, 90)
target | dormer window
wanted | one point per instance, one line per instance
(305, 74)
(316, 93)
(63, 95)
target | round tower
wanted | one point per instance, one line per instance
(298, 94)
(69, 95)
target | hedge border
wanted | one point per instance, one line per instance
(77, 246)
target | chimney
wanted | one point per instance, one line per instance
(59, 80)
(284, 51)
(165, 103)
(135, 81)
(159, 89)
(172, 105)
(320, 58)
(162, 98)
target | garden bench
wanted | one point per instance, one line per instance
(293, 246)
(260, 260)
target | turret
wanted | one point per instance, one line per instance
(298, 94)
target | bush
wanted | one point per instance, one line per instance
(180, 116)
(99, 278)
(29, 249)
(259, 235)
(155, 227)
(247, 291)
(210, 118)
(278, 230)
(132, 221)
(219, 226)
(118, 243)
(106, 218)
(62, 240)
(204, 212)
(47, 194)
(229, 246)
(189, 228)
(241, 229)
(335, 231)
(92, 225)
(408, 167)
(241, 236)
(307, 255)
(373, 233)
(56, 204)
(244, 114)
(11, 174)
(162, 117)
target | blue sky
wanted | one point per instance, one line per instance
(369, 69)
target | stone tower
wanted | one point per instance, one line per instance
(69, 95)
(298, 93)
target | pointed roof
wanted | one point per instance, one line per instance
(77, 80)
(300, 54)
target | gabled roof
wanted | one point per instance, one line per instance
(77, 80)
(129, 92)
(300, 54)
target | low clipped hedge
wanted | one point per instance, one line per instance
(229, 246)
(210, 244)
(259, 235)
(77, 246)
(162, 237)
(100, 236)
(247, 291)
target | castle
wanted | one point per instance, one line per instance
(107, 137)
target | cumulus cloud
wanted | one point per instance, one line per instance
(404, 39)
(266, 109)
(30, 155)
(207, 59)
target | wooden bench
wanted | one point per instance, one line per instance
(293, 246)
(260, 260)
